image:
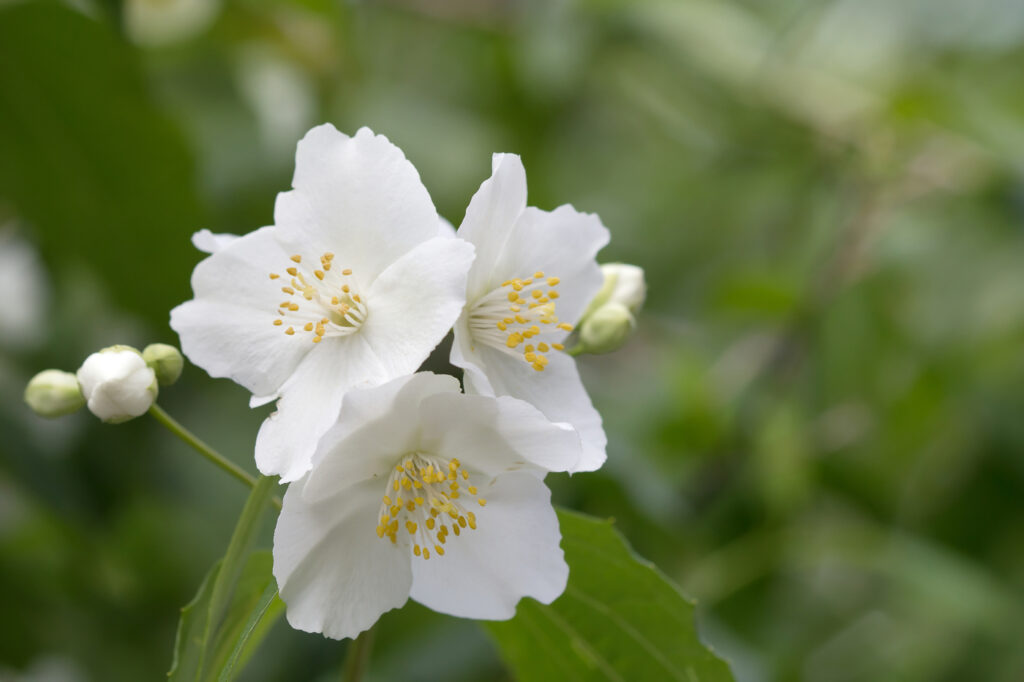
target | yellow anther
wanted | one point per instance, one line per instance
(514, 339)
(430, 523)
(317, 339)
(355, 297)
(308, 326)
(289, 331)
(539, 274)
(530, 357)
(513, 297)
(380, 531)
(319, 274)
(558, 346)
(528, 348)
(278, 323)
(465, 475)
(418, 500)
(440, 549)
(566, 326)
(553, 281)
(396, 485)
(297, 258)
(426, 553)
(520, 319)
(536, 293)
(553, 295)
(410, 505)
(387, 500)
(288, 290)
(502, 326)
(347, 271)
(543, 347)
(462, 521)
(274, 275)
(471, 518)
(292, 271)
(406, 483)
(416, 550)
(482, 502)
(472, 490)
(455, 529)
(329, 256)
(411, 527)
(399, 467)
(293, 307)
(345, 288)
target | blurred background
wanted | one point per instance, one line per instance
(817, 431)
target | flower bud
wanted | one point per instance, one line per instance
(53, 393)
(624, 284)
(165, 361)
(606, 329)
(610, 318)
(117, 384)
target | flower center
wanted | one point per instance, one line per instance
(424, 498)
(321, 301)
(509, 317)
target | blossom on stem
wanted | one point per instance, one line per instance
(117, 384)
(534, 273)
(421, 491)
(353, 285)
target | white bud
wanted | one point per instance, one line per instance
(117, 384)
(165, 360)
(627, 285)
(606, 329)
(53, 393)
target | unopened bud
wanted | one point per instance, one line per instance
(606, 329)
(117, 384)
(624, 284)
(53, 393)
(166, 362)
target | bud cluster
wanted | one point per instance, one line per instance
(116, 384)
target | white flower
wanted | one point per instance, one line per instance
(534, 273)
(420, 491)
(353, 285)
(117, 384)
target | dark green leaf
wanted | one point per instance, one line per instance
(88, 159)
(619, 619)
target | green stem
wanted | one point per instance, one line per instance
(358, 657)
(205, 450)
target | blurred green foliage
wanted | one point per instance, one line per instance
(817, 430)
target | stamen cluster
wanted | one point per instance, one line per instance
(510, 316)
(333, 307)
(427, 497)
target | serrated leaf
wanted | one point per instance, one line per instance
(619, 619)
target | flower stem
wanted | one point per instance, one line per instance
(205, 450)
(358, 657)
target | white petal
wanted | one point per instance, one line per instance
(513, 553)
(414, 302)
(310, 401)
(357, 197)
(490, 217)
(333, 572)
(376, 428)
(562, 243)
(446, 229)
(227, 329)
(495, 435)
(558, 392)
(211, 242)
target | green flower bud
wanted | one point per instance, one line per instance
(53, 393)
(117, 384)
(165, 360)
(606, 329)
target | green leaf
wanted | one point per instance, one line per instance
(253, 610)
(619, 619)
(231, 613)
(89, 160)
